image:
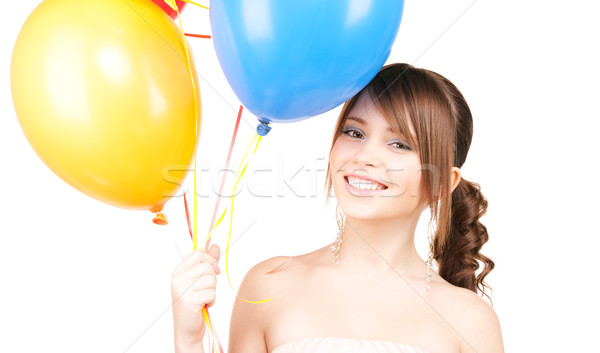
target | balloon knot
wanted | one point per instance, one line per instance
(263, 129)
(160, 219)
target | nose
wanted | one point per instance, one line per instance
(368, 154)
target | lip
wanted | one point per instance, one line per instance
(361, 192)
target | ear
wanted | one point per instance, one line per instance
(455, 177)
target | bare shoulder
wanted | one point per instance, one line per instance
(283, 270)
(254, 304)
(264, 280)
(274, 272)
(475, 321)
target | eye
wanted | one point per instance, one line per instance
(353, 132)
(401, 145)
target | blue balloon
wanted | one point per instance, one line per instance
(287, 60)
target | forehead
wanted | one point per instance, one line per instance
(366, 112)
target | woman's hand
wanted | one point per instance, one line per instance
(193, 286)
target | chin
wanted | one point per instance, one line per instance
(362, 208)
(377, 208)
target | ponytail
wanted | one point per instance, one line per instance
(458, 257)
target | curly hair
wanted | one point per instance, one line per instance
(444, 129)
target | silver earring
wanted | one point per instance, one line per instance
(430, 233)
(336, 247)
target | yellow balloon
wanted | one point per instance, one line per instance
(102, 91)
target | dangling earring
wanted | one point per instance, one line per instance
(336, 247)
(430, 233)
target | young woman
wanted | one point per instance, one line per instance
(397, 150)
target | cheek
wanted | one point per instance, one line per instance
(415, 177)
(406, 176)
(337, 155)
(338, 158)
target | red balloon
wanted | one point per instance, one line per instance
(172, 13)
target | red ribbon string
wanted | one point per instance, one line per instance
(198, 35)
(235, 130)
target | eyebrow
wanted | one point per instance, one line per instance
(362, 121)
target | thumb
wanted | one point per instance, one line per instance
(215, 251)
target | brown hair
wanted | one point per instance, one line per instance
(443, 128)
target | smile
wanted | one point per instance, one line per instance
(359, 185)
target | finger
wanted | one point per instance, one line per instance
(191, 259)
(195, 301)
(195, 257)
(204, 282)
(204, 297)
(215, 251)
(198, 270)
(186, 287)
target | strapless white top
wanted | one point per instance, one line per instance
(344, 345)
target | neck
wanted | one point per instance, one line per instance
(380, 247)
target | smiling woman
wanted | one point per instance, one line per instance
(403, 107)
(397, 150)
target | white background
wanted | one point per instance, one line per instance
(79, 275)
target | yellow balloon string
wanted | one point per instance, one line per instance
(174, 6)
(215, 226)
(193, 3)
(256, 138)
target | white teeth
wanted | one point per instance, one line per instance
(363, 184)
